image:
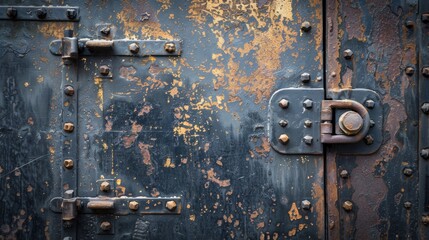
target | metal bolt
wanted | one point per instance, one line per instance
(348, 206)
(344, 174)
(283, 123)
(305, 204)
(425, 17)
(105, 226)
(171, 205)
(308, 139)
(71, 13)
(68, 194)
(12, 12)
(284, 138)
(105, 30)
(368, 140)
(69, 90)
(305, 77)
(308, 123)
(409, 24)
(407, 205)
(308, 103)
(425, 71)
(68, 163)
(41, 13)
(333, 74)
(134, 48)
(104, 70)
(348, 54)
(133, 205)
(408, 172)
(425, 219)
(170, 47)
(68, 127)
(283, 103)
(424, 153)
(369, 104)
(105, 186)
(351, 122)
(425, 108)
(306, 26)
(371, 123)
(409, 71)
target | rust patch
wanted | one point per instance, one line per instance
(129, 140)
(144, 151)
(294, 213)
(128, 73)
(211, 175)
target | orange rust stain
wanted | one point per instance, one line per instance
(54, 29)
(129, 140)
(168, 163)
(294, 213)
(211, 175)
(264, 148)
(292, 232)
(136, 128)
(108, 126)
(128, 73)
(144, 151)
(145, 110)
(155, 192)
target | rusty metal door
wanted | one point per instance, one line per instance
(219, 119)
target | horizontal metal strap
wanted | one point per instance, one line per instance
(39, 13)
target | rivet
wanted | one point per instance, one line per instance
(425, 17)
(306, 26)
(408, 172)
(348, 206)
(344, 174)
(69, 90)
(305, 77)
(369, 104)
(134, 48)
(171, 205)
(425, 219)
(425, 71)
(308, 123)
(68, 127)
(284, 138)
(308, 139)
(105, 186)
(68, 163)
(104, 70)
(283, 123)
(305, 204)
(105, 30)
(170, 47)
(409, 24)
(409, 71)
(368, 140)
(41, 13)
(424, 153)
(333, 74)
(348, 54)
(71, 13)
(12, 12)
(105, 226)
(308, 103)
(283, 103)
(371, 123)
(408, 205)
(425, 108)
(133, 205)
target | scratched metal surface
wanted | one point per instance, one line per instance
(192, 125)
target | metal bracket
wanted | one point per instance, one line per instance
(39, 13)
(300, 121)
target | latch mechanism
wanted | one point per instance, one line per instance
(301, 121)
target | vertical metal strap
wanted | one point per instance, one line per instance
(69, 128)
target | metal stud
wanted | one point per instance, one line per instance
(308, 123)
(305, 77)
(348, 206)
(370, 104)
(305, 204)
(306, 26)
(425, 108)
(68, 127)
(283, 123)
(308, 139)
(348, 54)
(308, 103)
(283, 103)
(41, 13)
(170, 47)
(134, 48)
(171, 205)
(12, 12)
(284, 138)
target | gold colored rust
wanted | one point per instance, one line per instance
(53, 29)
(294, 213)
(144, 151)
(211, 176)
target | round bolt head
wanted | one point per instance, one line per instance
(284, 138)
(69, 90)
(368, 140)
(68, 163)
(344, 174)
(133, 205)
(305, 204)
(170, 47)
(283, 103)
(71, 13)
(348, 206)
(408, 172)
(41, 13)
(308, 103)
(68, 127)
(371, 123)
(308, 139)
(105, 226)
(134, 48)
(369, 104)
(408, 205)
(409, 24)
(305, 77)
(12, 12)
(425, 71)
(283, 123)
(171, 205)
(425, 219)
(306, 26)
(425, 108)
(104, 70)
(308, 123)
(348, 54)
(105, 186)
(424, 153)
(409, 71)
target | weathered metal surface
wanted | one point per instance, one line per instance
(39, 13)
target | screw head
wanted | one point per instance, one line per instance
(104, 70)
(348, 54)
(284, 138)
(171, 205)
(308, 103)
(305, 77)
(71, 13)
(308, 123)
(409, 71)
(370, 104)
(12, 12)
(408, 172)
(283, 123)
(305, 204)
(344, 174)
(68, 163)
(425, 71)
(284, 103)
(41, 13)
(134, 48)
(68, 127)
(306, 26)
(105, 186)
(409, 24)
(368, 140)
(425, 108)
(425, 17)
(408, 205)
(348, 206)
(170, 47)
(133, 205)
(69, 90)
(424, 153)
(308, 139)
(371, 123)
(105, 226)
